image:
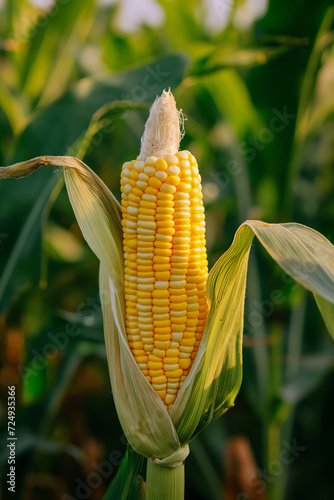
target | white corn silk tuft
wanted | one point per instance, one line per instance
(163, 129)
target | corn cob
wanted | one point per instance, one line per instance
(166, 267)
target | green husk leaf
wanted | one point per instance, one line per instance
(215, 377)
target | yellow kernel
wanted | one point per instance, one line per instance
(156, 373)
(178, 284)
(141, 359)
(159, 380)
(162, 276)
(177, 336)
(164, 252)
(188, 335)
(172, 159)
(164, 238)
(170, 361)
(134, 175)
(160, 310)
(182, 320)
(154, 182)
(161, 323)
(132, 243)
(169, 399)
(176, 291)
(155, 365)
(162, 330)
(154, 359)
(186, 349)
(146, 224)
(144, 295)
(139, 165)
(161, 302)
(164, 222)
(173, 170)
(149, 170)
(161, 337)
(162, 267)
(145, 287)
(181, 306)
(163, 244)
(178, 328)
(162, 344)
(172, 352)
(188, 342)
(174, 373)
(160, 294)
(138, 352)
(150, 160)
(166, 231)
(158, 259)
(161, 164)
(173, 180)
(144, 269)
(182, 155)
(162, 394)
(184, 187)
(168, 188)
(151, 190)
(160, 353)
(146, 211)
(169, 367)
(159, 387)
(164, 196)
(147, 204)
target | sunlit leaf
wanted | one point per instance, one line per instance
(215, 377)
(224, 58)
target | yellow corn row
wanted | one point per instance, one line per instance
(165, 267)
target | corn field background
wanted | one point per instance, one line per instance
(255, 81)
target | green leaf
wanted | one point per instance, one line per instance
(224, 58)
(128, 481)
(215, 377)
(12, 108)
(59, 125)
(49, 56)
(234, 102)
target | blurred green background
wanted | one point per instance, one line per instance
(255, 79)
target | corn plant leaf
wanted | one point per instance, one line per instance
(215, 378)
(47, 60)
(127, 483)
(75, 108)
(247, 57)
